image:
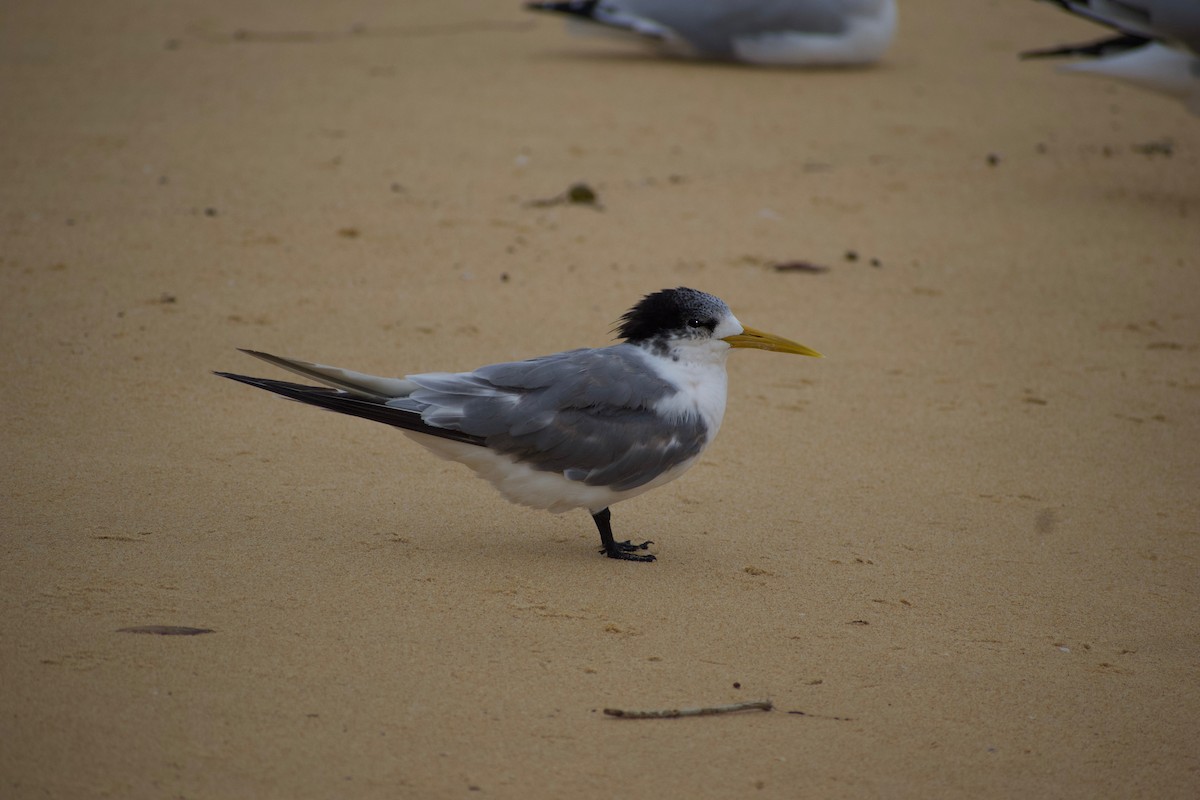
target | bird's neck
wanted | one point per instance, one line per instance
(698, 374)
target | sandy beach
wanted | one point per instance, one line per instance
(965, 546)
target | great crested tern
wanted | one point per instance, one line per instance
(580, 429)
(1156, 46)
(769, 32)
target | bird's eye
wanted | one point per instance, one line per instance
(695, 323)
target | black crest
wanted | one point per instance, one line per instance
(678, 312)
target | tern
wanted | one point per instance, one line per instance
(583, 428)
(1156, 46)
(768, 32)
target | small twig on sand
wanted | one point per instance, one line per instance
(821, 716)
(665, 713)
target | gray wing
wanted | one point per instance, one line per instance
(713, 25)
(588, 414)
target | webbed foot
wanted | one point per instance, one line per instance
(626, 551)
(623, 551)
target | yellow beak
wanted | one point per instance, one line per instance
(750, 337)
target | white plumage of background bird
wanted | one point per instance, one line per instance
(767, 32)
(584, 428)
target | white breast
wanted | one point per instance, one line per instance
(701, 380)
(526, 486)
(865, 40)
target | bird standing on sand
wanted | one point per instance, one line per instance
(581, 429)
(768, 32)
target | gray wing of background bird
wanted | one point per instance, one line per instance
(589, 414)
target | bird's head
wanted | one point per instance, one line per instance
(672, 317)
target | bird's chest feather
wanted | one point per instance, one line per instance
(701, 386)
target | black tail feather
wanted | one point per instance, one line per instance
(343, 403)
(1098, 49)
(576, 8)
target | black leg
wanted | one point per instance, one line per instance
(622, 550)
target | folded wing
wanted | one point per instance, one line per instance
(591, 415)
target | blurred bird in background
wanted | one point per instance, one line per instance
(1156, 46)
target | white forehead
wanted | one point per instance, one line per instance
(727, 326)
